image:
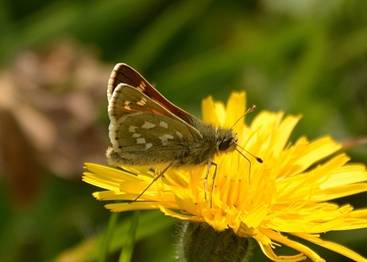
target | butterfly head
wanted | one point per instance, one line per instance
(226, 140)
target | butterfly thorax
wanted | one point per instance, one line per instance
(213, 141)
(226, 140)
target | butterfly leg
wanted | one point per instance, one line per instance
(249, 164)
(210, 163)
(206, 178)
(154, 180)
(213, 184)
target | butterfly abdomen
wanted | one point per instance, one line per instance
(199, 152)
(182, 153)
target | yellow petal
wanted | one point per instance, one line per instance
(316, 151)
(110, 195)
(338, 192)
(235, 111)
(293, 244)
(172, 213)
(100, 182)
(121, 207)
(110, 172)
(208, 109)
(268, 251)
(332, 246)
(345, 175)
(220, 112)
(282, 133)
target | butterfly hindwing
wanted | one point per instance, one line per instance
(124, 74)
(143, 135)
(142, 129)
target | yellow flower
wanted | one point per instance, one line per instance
(284, 199)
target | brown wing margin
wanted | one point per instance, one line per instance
(123, 73)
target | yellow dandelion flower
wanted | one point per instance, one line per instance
(285, 198)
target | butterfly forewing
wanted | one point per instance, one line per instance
(122, 73)
(141, 127)
(127, 100)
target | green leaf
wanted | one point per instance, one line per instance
(149, 223)
(107, 237)
(127, 249)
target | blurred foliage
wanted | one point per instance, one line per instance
(302, 56)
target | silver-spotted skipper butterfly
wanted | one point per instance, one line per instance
(147, 129)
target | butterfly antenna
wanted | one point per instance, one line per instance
(249, 110)
(258, 159)
(248, 160)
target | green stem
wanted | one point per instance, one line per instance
(107, 237)
(199, 242)
(128, 248)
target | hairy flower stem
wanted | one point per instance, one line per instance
(199, 242)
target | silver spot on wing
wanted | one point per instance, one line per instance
(164, 139)
(179, 134)
(148, 145)
(132, 129)
(148, 125)
(140, 140)
(135, 135)
(163, 124)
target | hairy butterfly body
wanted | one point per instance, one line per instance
(145, 128)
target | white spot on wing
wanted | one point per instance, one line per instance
(148, 125)
(135, 135)
(132, 129)
(164, 139)
(140, 140)
(148, 145)
(179, 134)
(163, 124)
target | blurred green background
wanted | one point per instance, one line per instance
(302, 56)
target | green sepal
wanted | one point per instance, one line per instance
(199, 242)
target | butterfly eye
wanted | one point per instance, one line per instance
(225, 144)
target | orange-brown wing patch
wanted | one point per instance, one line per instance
(124, 74)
